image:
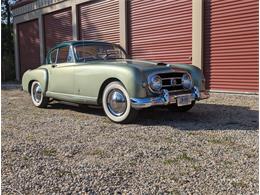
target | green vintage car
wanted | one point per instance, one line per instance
(99, 73)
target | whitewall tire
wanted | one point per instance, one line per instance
(117, 104)
(37, 95)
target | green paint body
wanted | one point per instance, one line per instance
(83, 82)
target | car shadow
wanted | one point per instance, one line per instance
(95, 110)
(203, 117)
(200, 117)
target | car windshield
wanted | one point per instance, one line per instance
(98, 52)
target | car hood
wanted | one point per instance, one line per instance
(150, 67)
(142, 65)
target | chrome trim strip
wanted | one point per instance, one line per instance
(166, 99)
(169, 78)
(172, 86)
(178, 90)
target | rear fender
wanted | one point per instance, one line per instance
(40, 74)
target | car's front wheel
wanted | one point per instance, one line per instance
(37, 95)
(116, 103)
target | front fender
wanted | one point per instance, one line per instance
(40, 74)
(132, 79)
(196, 73)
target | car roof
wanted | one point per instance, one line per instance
(80, 42)
(66, 43)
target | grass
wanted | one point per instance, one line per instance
(30, 137)
(182, 157)
(227, 163)
(132, 163)
(174, 192)
(192, 133)
(239, 184)
(97, 152)
(49, 152)
(215, 141)
(25, 158)
(250, 155)
(61, 173)
(169, 161)
(196, 168)
(168, 140)
(224, 141)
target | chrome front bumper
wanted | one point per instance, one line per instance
(165, 98)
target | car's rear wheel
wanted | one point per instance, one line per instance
(175, 108)
(37, 95)
(116, 103)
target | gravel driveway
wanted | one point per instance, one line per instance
(64, 149)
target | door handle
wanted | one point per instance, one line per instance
(53, 65)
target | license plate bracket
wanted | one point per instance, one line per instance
(184, 100)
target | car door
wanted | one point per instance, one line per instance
(61, 71)
(86, 73)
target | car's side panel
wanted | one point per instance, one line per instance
(39, 74)
(90, 77)
(61, 78)
(72, 98)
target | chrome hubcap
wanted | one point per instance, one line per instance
(116, 102)
(37, 93)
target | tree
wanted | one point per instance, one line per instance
(7, 49)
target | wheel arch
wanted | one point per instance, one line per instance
(30, 86)
(40, 75)
(103, 86)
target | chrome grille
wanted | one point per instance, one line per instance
(172, 81)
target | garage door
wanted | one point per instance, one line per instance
(161, 30)
(29, 45)
(57, 28)
(99, 20)
(231, 45)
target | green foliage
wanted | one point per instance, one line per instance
(181, 157)
(49, 152)
(7, 49)
(6, 14)
(169, 161)
(184, 156)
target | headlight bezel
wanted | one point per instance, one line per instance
(187, 75)
(151, 82)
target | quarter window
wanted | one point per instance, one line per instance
(63, 55)
(53, 56)
(70, 56)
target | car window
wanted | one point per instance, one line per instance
(70, 56)
(53, 56)
(63, 54)
(98, 52)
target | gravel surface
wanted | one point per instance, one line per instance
(213, 149)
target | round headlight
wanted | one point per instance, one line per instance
(186, 81)
(156, 83)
